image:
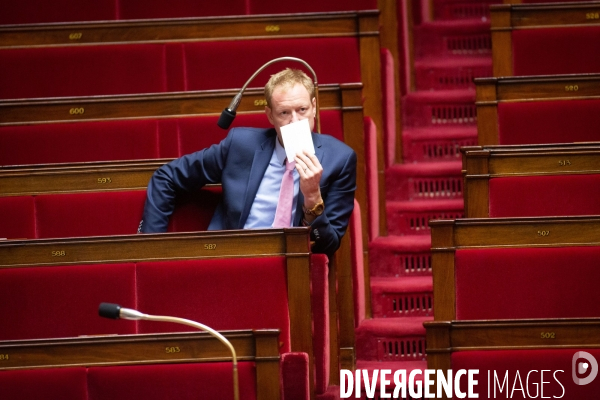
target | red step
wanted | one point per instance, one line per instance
(391, 339)
(412, 217)
(402, 297)
(462, 9)
(440, 108)
(451, 73)
(424, 181)
(400, 256)
(437, 143)
(453, 38)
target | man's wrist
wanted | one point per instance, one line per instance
(315, 210)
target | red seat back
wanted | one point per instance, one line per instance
(556, 121)
(221, 293)
(527, 196)
(47, 383)
(90, 70)
(171, 381)
(18, 218)
(223, 72)
(514, 283)
(62, 301)
(89, 214)
(556, 50)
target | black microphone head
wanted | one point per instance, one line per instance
(226, 118)
(109, 310)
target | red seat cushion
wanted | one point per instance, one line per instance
(559, 121)
(237, 293)
(555, 50)
(556, 364)
(50, 302)
(194, 211)
(47, 384)
(79, 142)
(171, 381)
(513, 283)
(528, 196)
(18, 217)
(89, 214)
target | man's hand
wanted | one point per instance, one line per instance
(310, 170)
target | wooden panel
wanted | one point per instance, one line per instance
(480, 164)
(152, 247)
(212, 102)
(513, 334)
(555, 14)
(77, 177)
(186, 29)
(259, 346)
(134, 349)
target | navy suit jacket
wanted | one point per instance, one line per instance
(239, 163)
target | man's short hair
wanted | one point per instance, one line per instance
(288, 78)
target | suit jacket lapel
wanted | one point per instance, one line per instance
(259, 166)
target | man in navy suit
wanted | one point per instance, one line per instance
(250, 163)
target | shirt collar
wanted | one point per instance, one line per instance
(280, 152)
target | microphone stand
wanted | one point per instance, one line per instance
(228, 114)
(115, 311)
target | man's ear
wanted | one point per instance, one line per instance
(269, 113)
(314, 104)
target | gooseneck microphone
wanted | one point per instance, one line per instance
(115, 311)
(228, 114)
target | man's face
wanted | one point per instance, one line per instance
(291, 104)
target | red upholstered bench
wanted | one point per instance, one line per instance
(98, 213)
(54, 384)
(18, 217)
(62, 301)
(513, 283)
(518, 358)
(555, 50)
(89, 214)
(226, 294)
(537, 109)
(520, 196)
(128, 139)
(535, 39)
(214, 286)
(556, 365)
(130, 366)
(517, 181)
(559, 121)
(84, 141)
(115, 69)
(90, 70)
(515, 268)
(210, 65)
